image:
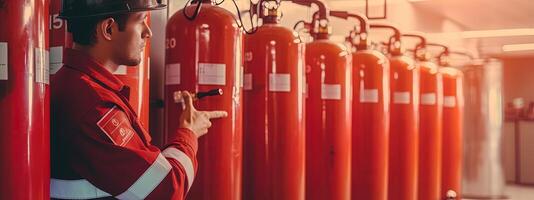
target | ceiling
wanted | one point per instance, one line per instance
(474, 15)
(468, 15)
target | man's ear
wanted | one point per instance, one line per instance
(106, 28)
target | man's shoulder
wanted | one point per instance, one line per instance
(75, 93)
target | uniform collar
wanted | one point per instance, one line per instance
(86, 64)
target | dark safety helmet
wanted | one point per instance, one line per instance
(73, 9)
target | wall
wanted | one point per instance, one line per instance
(519, 83)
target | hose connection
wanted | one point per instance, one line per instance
(394, 44)
(319, 27)
(358, 36)
(420, 51)
(443, 58)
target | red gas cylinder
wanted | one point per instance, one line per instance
(328, 113)
(60, 39)
(430, 131)
(203, 52)
(452, 132)
(274, 157)
(404, 122)
(370, 133)
(24, 100)
(453, 105)
(136, 77)
(404, 130)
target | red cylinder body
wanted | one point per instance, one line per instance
(135, 77)
(201, 55)
(404, 130)
(452, 131)
(430, 125)
(370, 134)
(274, 154)
(328, 121)
(60, 39)
(24, 100)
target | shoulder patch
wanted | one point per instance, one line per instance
(116, 125)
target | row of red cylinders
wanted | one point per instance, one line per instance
(319, 124)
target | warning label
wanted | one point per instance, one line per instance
(116, 126)
(449, 101)
(369, 95)
(401, 97)
(247, 82)
(428, 99)
(331, 92)
(211, 74)
(56, 59)
(279, 83)
(42, 70)
(3, 61)
(172, 74)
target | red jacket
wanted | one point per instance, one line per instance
(99, 149)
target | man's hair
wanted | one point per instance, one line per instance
(84, 29)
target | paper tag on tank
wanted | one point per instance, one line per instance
(331, 91)
(56, 59)
(3, 61)
(172, 74)
(279, 82)
(211, 74)
(401, 97)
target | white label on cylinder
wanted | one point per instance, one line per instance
(449, 101)
(428, 99)
(56, 59)
(331, 91)
(3, 61)
(148, 68)
(369, 96)
(121, 70)
(42, 70)
(211, 74)
(248, 82)
(305, 85)
(401, 97)
(306, 92)
(242, 79)
(279, 83)
(172, 74)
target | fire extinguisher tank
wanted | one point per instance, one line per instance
(370, 134)
(24, 100)
(204, 54)
(430, 131)
(328, 120)
(274, 114)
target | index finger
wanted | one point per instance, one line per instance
(216, 114)
(188, 100)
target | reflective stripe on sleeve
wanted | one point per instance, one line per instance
(75, 189)
(143, 186)
(149, 180)
(184, 160)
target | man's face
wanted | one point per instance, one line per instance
(130, 43)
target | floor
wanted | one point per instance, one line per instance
(520, 192)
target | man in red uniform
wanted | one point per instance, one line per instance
(99, 148)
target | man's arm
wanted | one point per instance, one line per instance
(115, 161)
